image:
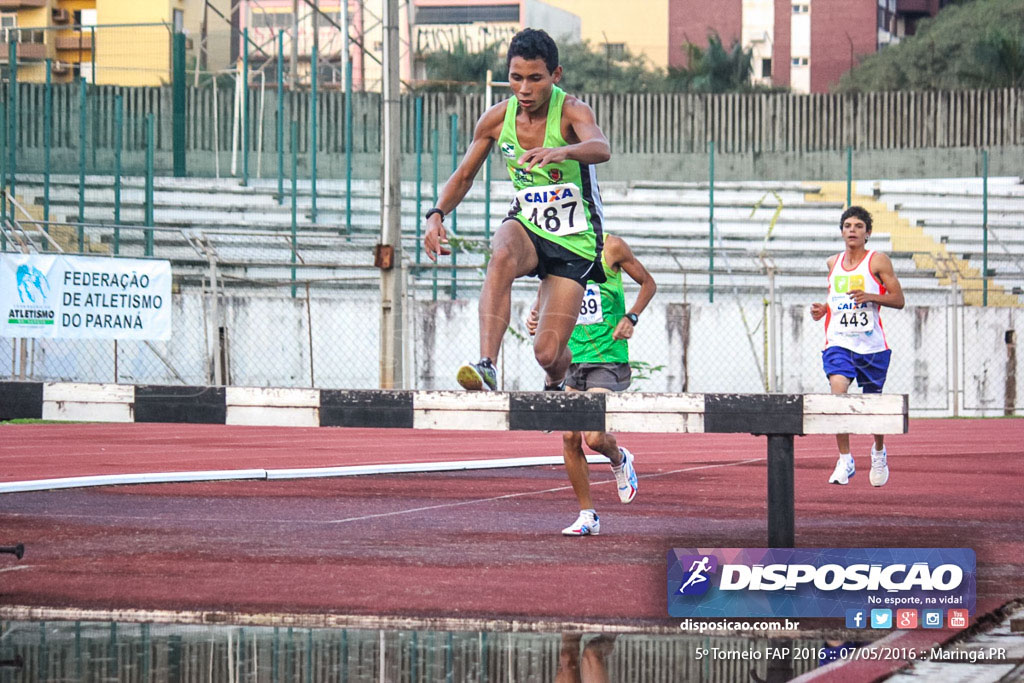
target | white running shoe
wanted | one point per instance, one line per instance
(843, 471)
(625, 477)
(587, 524)
(879, 473)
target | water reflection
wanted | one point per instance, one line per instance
(92, 651)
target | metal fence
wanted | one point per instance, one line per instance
(244, 314)
(91, 651)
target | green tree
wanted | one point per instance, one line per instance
(589, 68)
(975, 44)
(586, 68)
(459, 70)
(1000, 59)
(713, 69)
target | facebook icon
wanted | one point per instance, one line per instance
(856, 618)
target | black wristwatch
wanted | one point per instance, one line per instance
(632, 317)
(431, 212)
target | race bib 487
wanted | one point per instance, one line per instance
(556, 209)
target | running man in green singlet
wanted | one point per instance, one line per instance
(600, 363)
(550, 142)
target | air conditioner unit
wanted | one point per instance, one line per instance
(61, 16)
(60, 68)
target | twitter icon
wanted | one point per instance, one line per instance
(881, 618)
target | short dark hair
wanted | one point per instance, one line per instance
(533, 44)
(856, 212)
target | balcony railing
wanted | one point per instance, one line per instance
(31, 43)
(75, 41)
(913, 6)
(22, 4)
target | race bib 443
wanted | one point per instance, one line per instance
(850, 318)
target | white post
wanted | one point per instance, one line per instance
(390, 248)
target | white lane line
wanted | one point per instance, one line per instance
(526, 493)
(590, 458)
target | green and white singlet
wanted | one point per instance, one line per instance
(560, 202)
(603, 306)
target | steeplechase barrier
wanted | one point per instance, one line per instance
(779, 417)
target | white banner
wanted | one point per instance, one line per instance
(84, 297)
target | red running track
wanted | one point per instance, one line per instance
(478, 544)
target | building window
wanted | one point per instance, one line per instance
(8, 24)
(615, 50)
(800, 61)
(467, 13)
(272, 20)
(801, 8)
(766, 68)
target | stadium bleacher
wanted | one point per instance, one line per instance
(928, 227)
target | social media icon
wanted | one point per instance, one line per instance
(856, 618)
(931, 618)
(956, 618)
(906, 618)
(881, 618)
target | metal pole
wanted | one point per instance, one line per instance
(956, 342)
(437, 153)
(149, 183)
(984, 227)
(454, 140)
(293, 73)
(711, 223)
(280, 116)
(12, 121)
(488, 101)
(92, 78)
(348, 148)
(780, 491)
(772, 336)
(118, 144)
(392, 275)
(3, 176)
(293, 129)
(83, 121)
(849, 176)
(245, 107)
(312, 131)
(419, 175)
(178, 115)
(47, 143)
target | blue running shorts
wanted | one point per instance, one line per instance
(869, 369)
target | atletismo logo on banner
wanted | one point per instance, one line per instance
(817, 582)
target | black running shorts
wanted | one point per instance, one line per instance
(613, 376)
(554, 259)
